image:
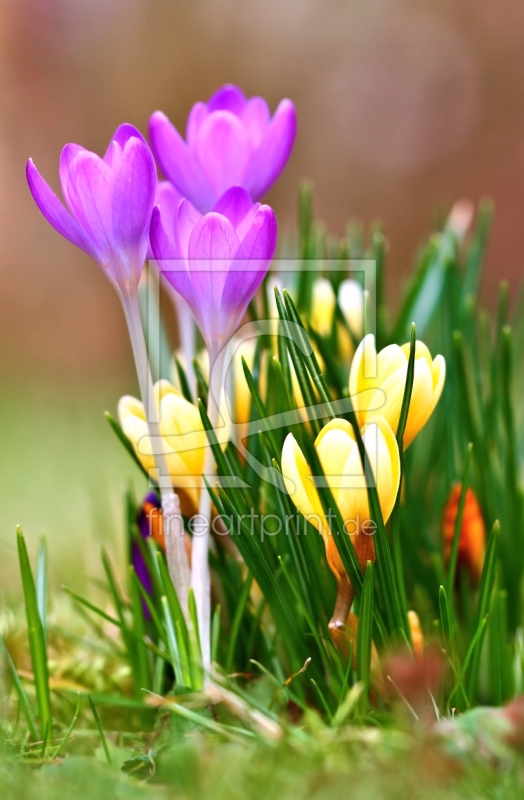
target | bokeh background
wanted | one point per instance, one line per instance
(403, 107)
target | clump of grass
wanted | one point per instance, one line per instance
(122, 679)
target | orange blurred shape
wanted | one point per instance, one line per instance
(417, 637)
(153, 522)
(414, 680)
(472, 541)
(153, 525)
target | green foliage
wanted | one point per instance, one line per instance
(276, 659)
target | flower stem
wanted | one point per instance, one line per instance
(187, 334)
(200, 576)
(173, 523)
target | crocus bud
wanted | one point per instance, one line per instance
(149, 522)
(389, 371)
(323, 303)
(340, 460)
(351, 302)
(230, 141)
(472, 541)
(417, 637)
(183, 439)
(217, 261)
(109, 203)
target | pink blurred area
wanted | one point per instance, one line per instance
(402, 107)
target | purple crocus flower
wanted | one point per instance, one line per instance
(109, 203)
(230, 141)
(216, 261)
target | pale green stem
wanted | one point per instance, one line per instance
(173, 523)
(200, 576)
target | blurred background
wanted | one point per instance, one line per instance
(403, 107)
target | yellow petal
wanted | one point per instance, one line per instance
(422, 403)
(382, 449)
(297, 478)
(351, 302)
(334, 445)
(323, 306)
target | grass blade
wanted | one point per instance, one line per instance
(365, 630)
(41, 583)
(36, 635)
(19, 689)
(487, 581)
(69, 730)
(100, 731)
(458, 522)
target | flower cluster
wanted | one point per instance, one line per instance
(206, 221)
(213, 240)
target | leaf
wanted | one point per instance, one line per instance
(37, 643)
(365, 630)
(100, 730)
(19, 689)
(458, 522)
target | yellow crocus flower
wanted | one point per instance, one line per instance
(388, 374)
(183, 438)
(323, 303)
(351, 302)
(338, 454)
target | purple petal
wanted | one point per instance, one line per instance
(227, 98)
(121, 136)
(178, 162)
(245, 224)
(133, 197)
(212, 243)
(90, 190)
(197, 117)
(55, 213)
(255, 116)
(67, 156)
(173, 268)
(223, 149)
(235, 204)
(167, 198)
(163, 247)
(250, 263)
(186, 219)
(270, 158)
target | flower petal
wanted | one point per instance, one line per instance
(90, 191)
(228, 98)
(173, 268)
(178, 162)
(167, 198)
(255, 116)
(164, 248)
(186, 218)
(213, 242)
(270, 158)
(223, 149)
(251, 263)
(55, 213)
(197, 116)
(382, 449)
(297, 478)
(67, 156)
(211, 245)
(133, 197)
(235, 204)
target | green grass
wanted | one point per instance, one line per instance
(95, 694)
